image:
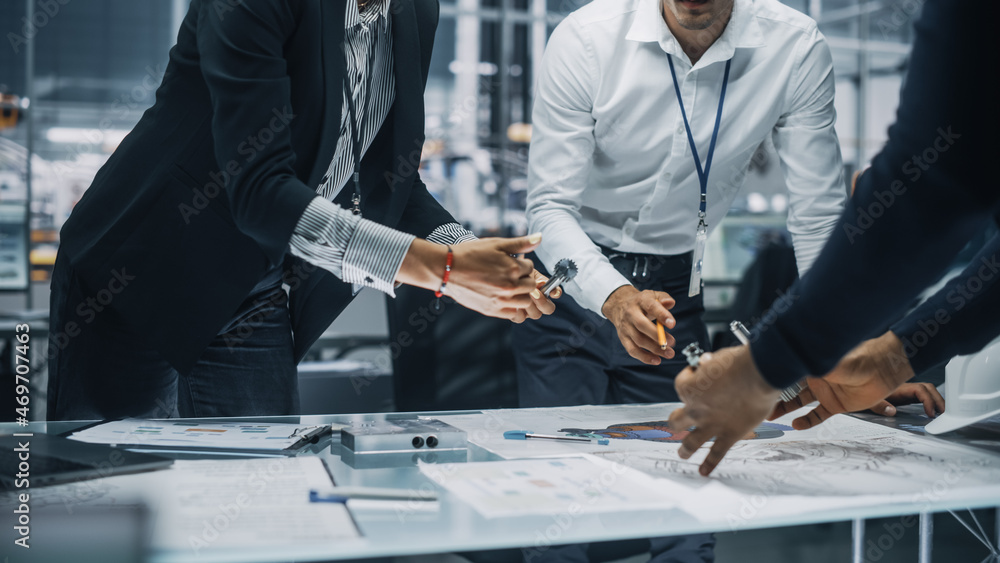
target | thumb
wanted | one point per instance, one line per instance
(521, 245)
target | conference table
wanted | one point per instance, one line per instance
(452, 525)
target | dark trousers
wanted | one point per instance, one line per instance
(103, 368)
(574, 357)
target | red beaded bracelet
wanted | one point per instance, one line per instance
(447, 274)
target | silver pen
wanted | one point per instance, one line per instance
(743, 335)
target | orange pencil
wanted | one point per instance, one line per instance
(661, 335)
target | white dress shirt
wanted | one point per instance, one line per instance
(610, 161)
(355, 250)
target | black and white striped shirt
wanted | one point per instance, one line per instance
(368, 38)
(358, 251)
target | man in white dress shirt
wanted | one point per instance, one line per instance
(626, 180)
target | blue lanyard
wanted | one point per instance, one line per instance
(702, 173)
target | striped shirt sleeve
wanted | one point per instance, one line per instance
(451, 233)
(355, 250)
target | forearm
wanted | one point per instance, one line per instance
(922, 199)
(861, 281)
(424, 265)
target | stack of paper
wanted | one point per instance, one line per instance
(239, 436)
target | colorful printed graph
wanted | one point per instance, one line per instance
(660, 431)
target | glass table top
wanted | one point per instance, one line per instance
(408, 528)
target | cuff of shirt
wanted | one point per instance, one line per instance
(594, 289)
(451, 233)
(353, 249)
(374, 255)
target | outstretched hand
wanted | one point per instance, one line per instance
(910, 393)
(869, 377)
(724, 398)
(488, 275)
(540, 304)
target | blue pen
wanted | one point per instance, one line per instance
(344, 494)
(525, 434)
(316, 497)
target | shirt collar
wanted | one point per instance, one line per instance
(742, 31)
(379, 10)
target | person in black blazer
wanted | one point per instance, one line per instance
(166, 293)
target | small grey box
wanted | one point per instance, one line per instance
(380, 460)
(406, 435)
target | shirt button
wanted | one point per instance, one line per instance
(680, 129)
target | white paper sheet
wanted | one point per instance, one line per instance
(221, 435)
(569, 485)
(220, 504)
(848, 463)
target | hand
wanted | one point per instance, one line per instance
(909, 393)
(484, 275)
(863, 378)
(634, 313)
(540, 304)
(724, 398)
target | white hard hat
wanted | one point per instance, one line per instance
(971, 390)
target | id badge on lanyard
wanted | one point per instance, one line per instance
(694, 288)
(701, 235)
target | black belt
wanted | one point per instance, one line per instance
(641, 267)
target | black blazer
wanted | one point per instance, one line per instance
(202, 197)
(931, 189)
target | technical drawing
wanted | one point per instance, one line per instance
(885, 465)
